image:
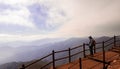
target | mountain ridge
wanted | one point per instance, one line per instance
(55, 46)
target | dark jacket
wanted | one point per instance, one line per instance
(92, 42)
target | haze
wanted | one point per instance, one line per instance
(28, 20)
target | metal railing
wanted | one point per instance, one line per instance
(82, 50)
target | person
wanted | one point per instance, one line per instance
(92, 44)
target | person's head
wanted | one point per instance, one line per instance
(90, 37)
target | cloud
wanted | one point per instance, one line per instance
(23, 37)
(113, 26)
(39, 15)
(4, 6)
(18, 16)
(47, 16)
(13, 19)
(63, 18)
(86, 16)
(18, 2)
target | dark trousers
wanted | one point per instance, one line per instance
(91, 50)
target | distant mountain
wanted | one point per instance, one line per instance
(27, 53)
(39, 48)
(12, 65)
(103, 38)
(32, 43)
(18, 65)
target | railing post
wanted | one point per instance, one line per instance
(103, 55)
(114, 40)
(53, 57)
(84, 50)
(23, 67)
(69, 55)
(80, 63)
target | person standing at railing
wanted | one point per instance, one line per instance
(91, 44)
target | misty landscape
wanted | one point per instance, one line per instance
(33, 29)
(26, 52)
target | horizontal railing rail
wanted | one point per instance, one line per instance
(76, 53)
(37, 60)
(109, 39)
(70, 54)
(61, 51)
(76, 47)
(113, 42)
(46, 65)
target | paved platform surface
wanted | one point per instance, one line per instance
(88, 63)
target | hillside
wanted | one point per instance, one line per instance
(17, 65)
(25, 53)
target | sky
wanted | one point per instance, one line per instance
(27, 20)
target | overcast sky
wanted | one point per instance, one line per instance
(37, 19)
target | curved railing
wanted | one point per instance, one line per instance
(83, 50)
(103, 46)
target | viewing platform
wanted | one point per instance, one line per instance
(95, 62)
(106, 56)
